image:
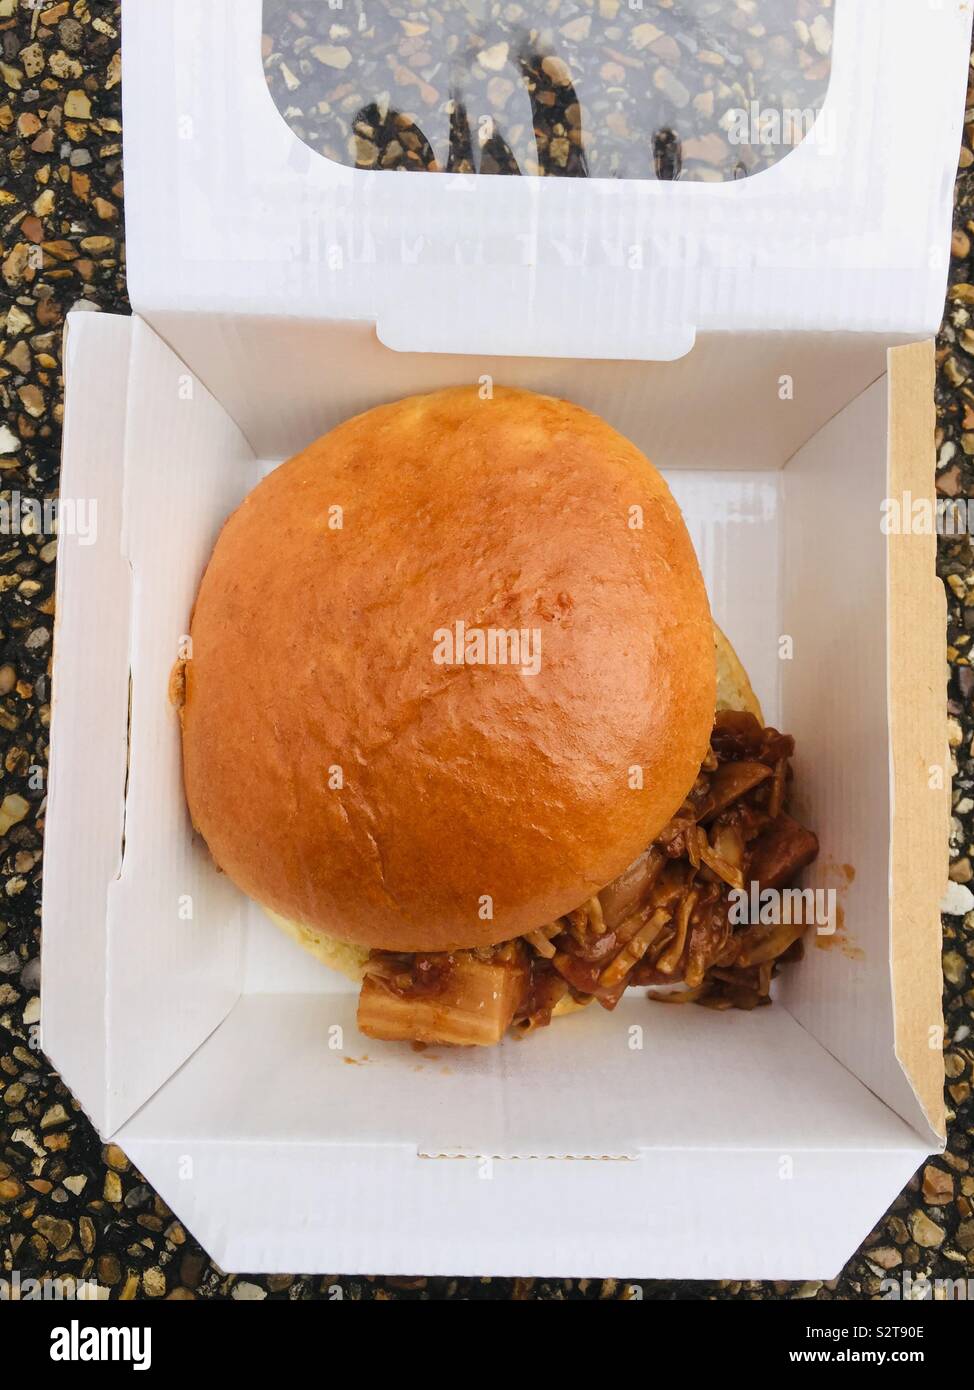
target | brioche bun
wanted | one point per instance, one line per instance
(733, 692)
(354, 785)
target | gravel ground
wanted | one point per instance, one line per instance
(485, 85)
(70, 1206)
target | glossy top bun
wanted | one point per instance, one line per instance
(734, 691)
(361, 766)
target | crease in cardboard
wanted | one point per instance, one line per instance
(128, 752)
(924, 1133)
(125, 553)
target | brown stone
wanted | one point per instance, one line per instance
(49, 312)
(711, 148)
(60, 250)
(886, 1256)
(191, 1270)
(15, 263)
(59, 1233)
(19, 357)
(927, 1234)
(77, 105)
(938, 1186)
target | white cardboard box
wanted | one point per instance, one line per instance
(758, 1145)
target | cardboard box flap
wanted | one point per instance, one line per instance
(822, 1169)
(595, 1086)
(287, 382)
(229, 211)
(840, 671)
(344, 1208)
(174, 924)
(161, 966)
(85, 818)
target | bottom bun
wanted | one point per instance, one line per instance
(343, 956)
(734, 691)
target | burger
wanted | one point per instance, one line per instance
(456, 715)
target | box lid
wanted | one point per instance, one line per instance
(228, 210)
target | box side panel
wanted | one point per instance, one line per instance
(86, 786)
(358, 1210)
(174, 924)
(920, 763)
(744, 401)
(834, 701)
(597, 1085)
(735, 523)
(797, 1159)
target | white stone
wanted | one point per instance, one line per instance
(493, 59)
(332, 56)
(957, 900)
(248, 1291)
(9, 443)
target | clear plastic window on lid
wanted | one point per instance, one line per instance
(699, 90)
